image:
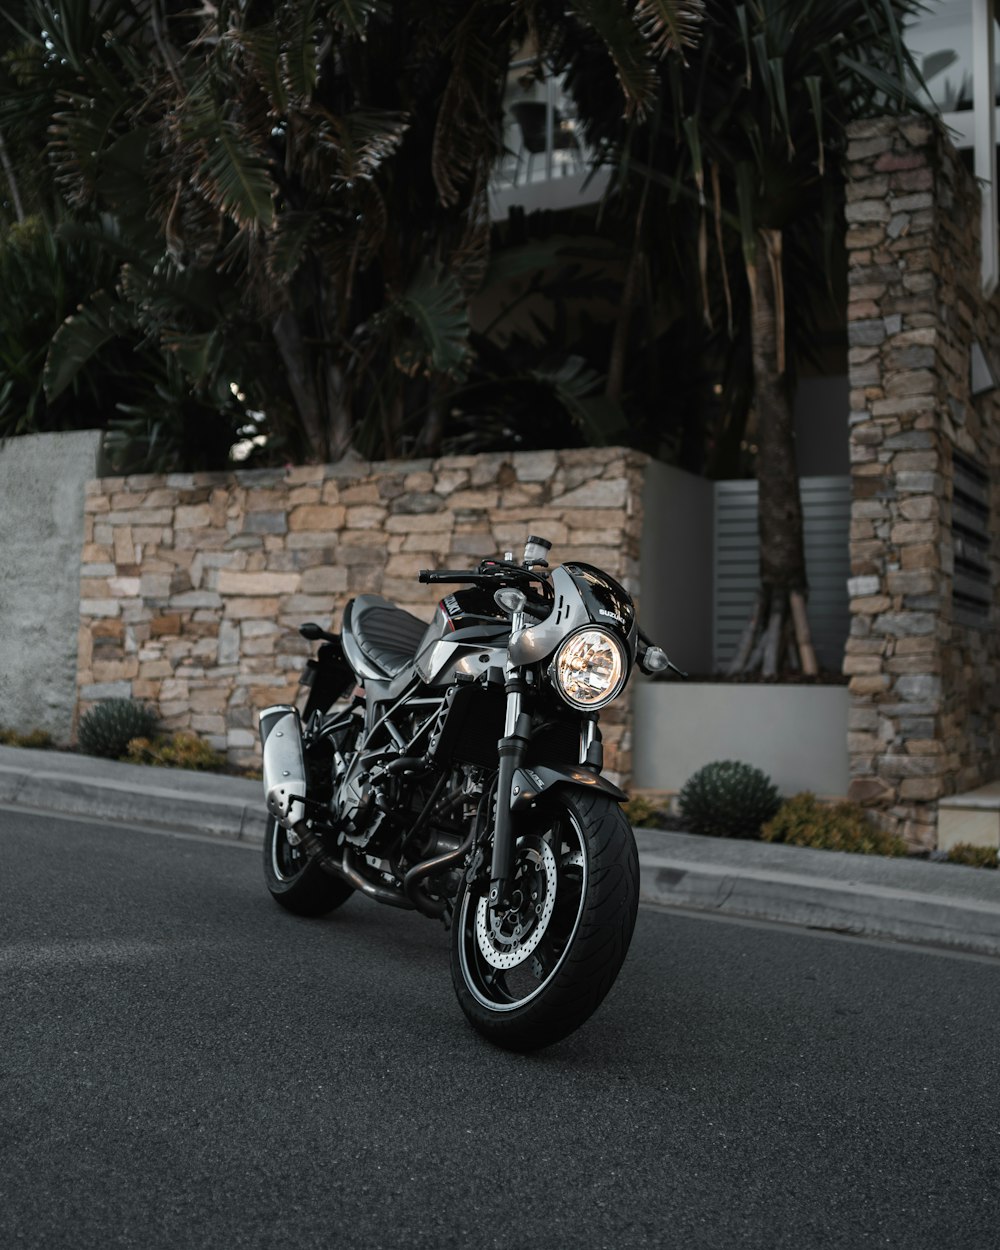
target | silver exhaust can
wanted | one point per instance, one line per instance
(284, 765)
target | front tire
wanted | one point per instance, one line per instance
(298, 883)
(528, 976)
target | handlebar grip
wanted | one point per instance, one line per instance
(447, 575)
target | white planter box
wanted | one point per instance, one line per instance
(796, 734)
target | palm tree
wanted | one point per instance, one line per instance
(743, 154)
(327, 160)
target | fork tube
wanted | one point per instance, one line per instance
(591, 747)
(511, 749)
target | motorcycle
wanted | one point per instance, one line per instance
(455, 769)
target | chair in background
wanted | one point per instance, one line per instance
(530, 116)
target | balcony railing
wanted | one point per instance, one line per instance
(546, 163)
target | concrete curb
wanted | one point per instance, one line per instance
(228, 807)
(911, 901)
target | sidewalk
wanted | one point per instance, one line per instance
(910, 900)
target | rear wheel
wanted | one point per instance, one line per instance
(530, 973)
(299, 884)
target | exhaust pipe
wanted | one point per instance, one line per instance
(284, 766)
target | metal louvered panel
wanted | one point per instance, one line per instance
(972, 587)
(826, 506)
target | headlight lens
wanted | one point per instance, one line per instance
(590, 668)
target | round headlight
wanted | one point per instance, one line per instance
(590, 669)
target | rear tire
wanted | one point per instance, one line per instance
(530, 975)
(297, 883)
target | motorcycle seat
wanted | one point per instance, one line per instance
(387, 636)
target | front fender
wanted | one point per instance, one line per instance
(530, 783)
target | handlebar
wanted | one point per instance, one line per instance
(489, 573)
(453, 575)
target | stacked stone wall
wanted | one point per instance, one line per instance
(925, 702)
(193, 585)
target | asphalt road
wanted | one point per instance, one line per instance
(184, 1064)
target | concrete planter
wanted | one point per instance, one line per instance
(796, 734)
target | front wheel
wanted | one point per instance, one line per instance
(529, 974)
(299, 884)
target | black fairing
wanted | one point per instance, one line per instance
(605, 599)
(473, 606)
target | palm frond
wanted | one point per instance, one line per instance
(353, 17)
(669, 25)
(626, 46)
(237, 178)
(574, 385)
(434, 303)
(890, 92)
(467, 134)
(197, 354)
(79, 136)
(300, 33)
(288, 244)
(77, 342)
(361, 141)
(263, 48)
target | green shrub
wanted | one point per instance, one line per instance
(804, 821)
(642, 813)
(180, 750)
(34, 740)
(728, 800)
(109, 727)
(973, 856)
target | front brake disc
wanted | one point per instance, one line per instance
(507, 937)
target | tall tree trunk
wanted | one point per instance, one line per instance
(340, 425)
(615, 383)
(429, 439)
(779, 615)
(782, 556)
(300, 371)
(8, 170)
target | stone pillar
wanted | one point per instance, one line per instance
(924, 704)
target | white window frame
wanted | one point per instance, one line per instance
(977, 129)
(985, 134)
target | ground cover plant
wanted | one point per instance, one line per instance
(973, 856)
(804, 820)
(180, 750)
(643, 813)
(35, 739)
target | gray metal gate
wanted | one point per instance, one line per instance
(826, 505)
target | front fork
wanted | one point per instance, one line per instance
(513, 747)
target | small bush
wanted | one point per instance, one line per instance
(973, 856)
(108, 728)
(804, 821)
(728, 800)
(641, 813)
(180, 750)
(35, 740)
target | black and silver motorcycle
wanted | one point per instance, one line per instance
(455, 768)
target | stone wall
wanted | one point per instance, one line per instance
(193, 585)
(923, 681)
(42, 480)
